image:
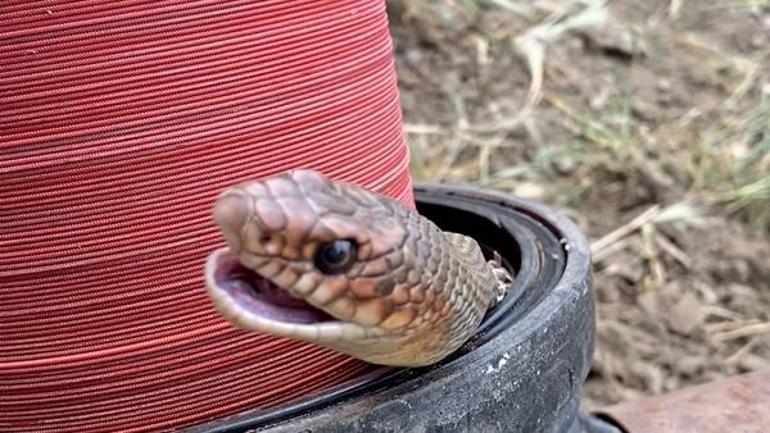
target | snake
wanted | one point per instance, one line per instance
(340, 266)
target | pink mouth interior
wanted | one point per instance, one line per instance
(260, 296)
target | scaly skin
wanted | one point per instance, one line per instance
(412, 295)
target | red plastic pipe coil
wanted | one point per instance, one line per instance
(120, 122)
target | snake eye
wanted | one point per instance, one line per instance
(335, 257)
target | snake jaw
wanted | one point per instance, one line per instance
(241, 304)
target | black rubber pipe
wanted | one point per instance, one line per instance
(523, 370)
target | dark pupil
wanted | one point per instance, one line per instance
(336, 256)
(336, 252)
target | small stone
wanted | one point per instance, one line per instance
(687, 315)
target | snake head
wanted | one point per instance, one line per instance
(321, 261)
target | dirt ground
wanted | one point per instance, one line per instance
(648, 123)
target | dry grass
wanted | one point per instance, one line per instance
(649, 124)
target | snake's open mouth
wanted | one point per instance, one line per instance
(239, 291)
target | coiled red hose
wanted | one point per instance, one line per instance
(120, 122)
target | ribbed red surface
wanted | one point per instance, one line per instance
(120, 121)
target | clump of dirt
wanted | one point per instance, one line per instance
(646, 122)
